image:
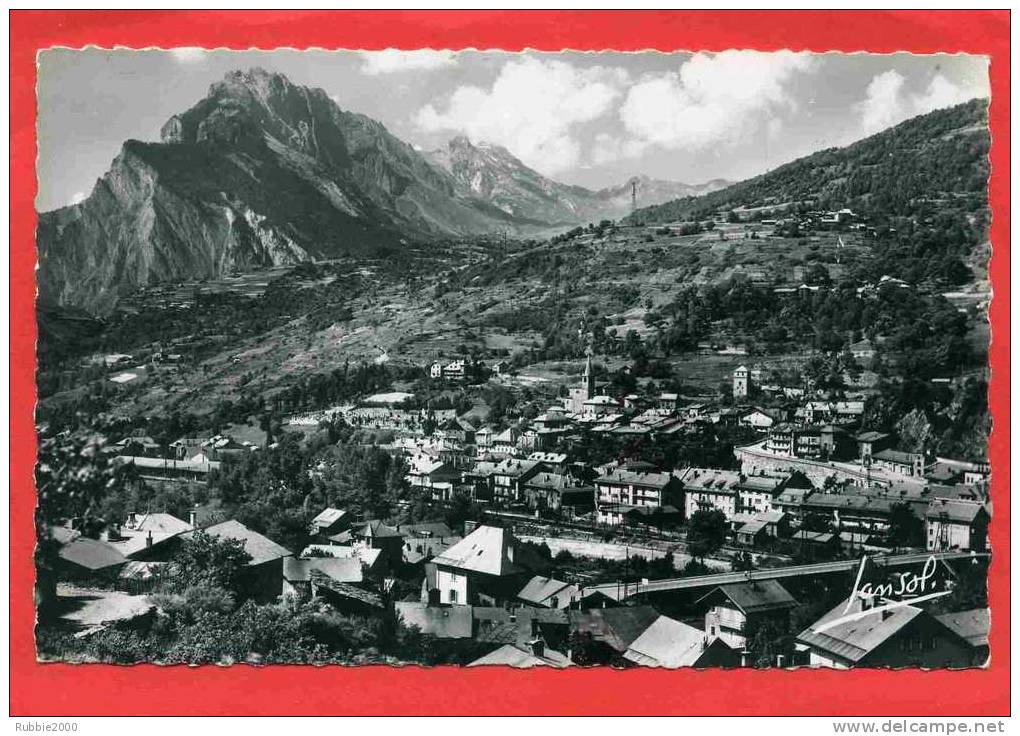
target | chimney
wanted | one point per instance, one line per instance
(886, 613)
(148, 539)
(192, 518)
(745, 658)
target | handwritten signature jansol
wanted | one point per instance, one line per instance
(910, 588)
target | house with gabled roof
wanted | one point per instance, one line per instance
(710, 488)
(756, 493)
(619, 491)
(85, 559)
(548, 491)
(758, 419)
(509, 477)
(377, 535)
(263, 580)
(869, 442)
(457, 429)
(479, 569)
(147, 537)
(865, 633)
(534, 654)
(297, 573)
(611, 631)
(955, 524)
(546, 592)
(973, 627)
(441, 622)
(504, 444)
(670, 644)
(433, 475)
(329, 521)
(373, 564)
(735, 609)
(896, 462)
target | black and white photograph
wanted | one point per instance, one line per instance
(536, 359)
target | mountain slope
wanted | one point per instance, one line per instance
(939, 156)
(493, 174)
(260, 172)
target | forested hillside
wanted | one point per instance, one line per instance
(923, 164)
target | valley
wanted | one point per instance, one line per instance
(357, 369)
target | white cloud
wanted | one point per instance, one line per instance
(533, 108)
(188, 54)
(887, 101)
(712, 100)
(391, 61)
(78, 198)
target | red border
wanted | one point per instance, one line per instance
(147, 690)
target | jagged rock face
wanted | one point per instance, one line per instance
(261, 172)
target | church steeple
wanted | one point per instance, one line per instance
(589, 379)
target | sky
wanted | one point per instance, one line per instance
(586, 118)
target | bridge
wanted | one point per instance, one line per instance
(622, 591)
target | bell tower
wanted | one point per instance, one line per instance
(589, 378)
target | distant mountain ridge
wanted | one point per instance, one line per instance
(264, 172)
(492, 173)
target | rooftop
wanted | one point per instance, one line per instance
(442, 622)
(627, 477)
(855, 638)
(616, 627)
(667, 643)
(964, 512)
(260, 548)
(970, 625)
(346, 570)
(329, 516)
(540, 589)
(484, 550)
(92, 554)
(752, 597)
(894, 456)
(520, 656)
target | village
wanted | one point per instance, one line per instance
(566, 557)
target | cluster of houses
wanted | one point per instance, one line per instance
(463, 369)
(814, 477)
(812, 459)
(482, 589)
(187, 458)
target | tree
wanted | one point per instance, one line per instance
(73, 480)
(766, 641)
(707, 532)
(914, 431)
(743, 562)
(814, 522)
(905, 528)
(204, 560)
(584, 651)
